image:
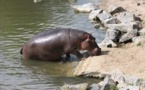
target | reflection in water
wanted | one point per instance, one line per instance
(22, 19)
(37, 1)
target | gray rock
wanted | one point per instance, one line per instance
(139, 40)
(93, 14)
(123, 27)
(115, 9)
(103, 15)
(126, 17)
(128, 36)
(111, 21)
(95, 87)
(113, 35)
(99, 15)
(108, 83)
(107, 43)
(130, 88)
(142, 31)
(132, 80)
(82, 86)
(88, 7)
(118, 76)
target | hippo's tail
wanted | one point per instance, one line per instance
(21, 51)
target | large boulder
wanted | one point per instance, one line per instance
(113, 9)
(128, 36)
(88, 7)
(93, 15)
(118, 76)
(108, 84)
(112, 20)
(123, 27)
(99, 15)
(126, 17)
(113, 35)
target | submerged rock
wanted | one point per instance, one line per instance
(88, 7)
(82, 86)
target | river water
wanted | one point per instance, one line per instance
(22, 19)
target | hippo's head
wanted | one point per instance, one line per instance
(89, 43)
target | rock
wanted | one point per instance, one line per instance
(130, 88)
(126, 17)
(121, 85)
(95, 87)
(139, 40)
(123, 27)
(115, 9)
(108, 83)
(111, 21)
(132, 80)
(82, 86)
(128, 36)
(93, 15)
(103, 15)
(88, 7)
(107, 43)
(87, 68)
(113, 35)
(142, 31)
(97, 25)
(118, 77)
(99, 15)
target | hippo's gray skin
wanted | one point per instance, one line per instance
(52, 44)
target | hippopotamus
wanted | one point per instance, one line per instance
(52, 44)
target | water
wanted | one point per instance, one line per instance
(22, 19)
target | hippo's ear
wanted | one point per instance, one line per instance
(88, 37)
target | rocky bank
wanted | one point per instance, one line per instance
(127, 57)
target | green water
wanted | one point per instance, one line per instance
(22, 19)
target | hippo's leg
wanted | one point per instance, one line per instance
(77, 53)
(67, 56)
